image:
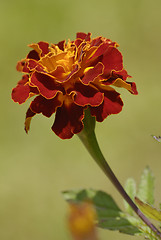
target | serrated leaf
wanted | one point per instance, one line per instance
(148, 210)
(146, 187)
(120, 224)
(109, 214)
(130, 188)
(100, 199)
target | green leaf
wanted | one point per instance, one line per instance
(120, 224)
(109, 214)
(146, 187)
(148, 210)
(130, 187)
(99, 198)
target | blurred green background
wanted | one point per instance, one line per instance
(35, 168)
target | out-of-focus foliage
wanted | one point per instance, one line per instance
(110, 215)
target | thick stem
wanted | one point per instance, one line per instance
(91, 144)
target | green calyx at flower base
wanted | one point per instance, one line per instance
(76, 80)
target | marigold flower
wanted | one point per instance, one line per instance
(69, 77)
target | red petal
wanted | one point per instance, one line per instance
(46, 84)
(111, 78)
(83, 36)
(112, 104)
(34, 65)
(112, 60)
(24, 80)
(21, 66)
(87, 95)
(101, 49)
(96, 41)
(91, 74)
(45, 106)
(121, 74)
(68, 121)
(20, 93)
(133, 88)
(61, 45)
(59, 74)
(77, 42)
(44, 46)
(33, 55)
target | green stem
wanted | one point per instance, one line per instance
(88, 138)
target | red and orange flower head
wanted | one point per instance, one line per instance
(68, 77)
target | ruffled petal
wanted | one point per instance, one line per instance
(20, 93)
(45, 106)
(102, 48)
(61, 45)
(24, 80)
(87, 95)
(121, 74)
(84, 36)
(33, 55)
(21, 66)
(68, 121)
(46, 84)
(112, 60)
(133, 88)
(44, 46)
(78, 42)
(41, 48)
(130, 86)
(92, 73)
(112, 104)
(34, 65)
(96, 41)
(59, 74)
